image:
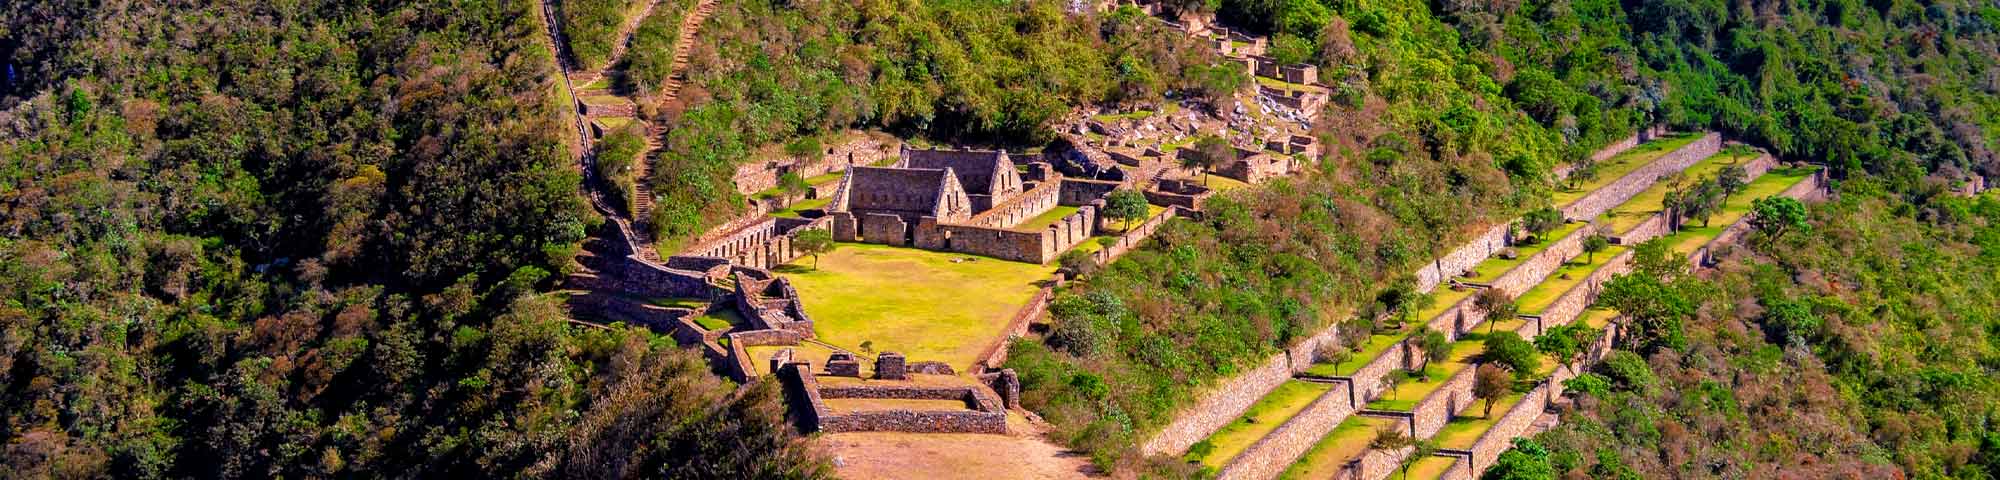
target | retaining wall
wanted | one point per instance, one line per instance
(1464, 258)
(1221, 405)
(1277, 451)
(983, 414)
(1132, 238)
(1624, 188)
(1033, 311)
(1579, 297)
(1811, 189)
(1434, 410)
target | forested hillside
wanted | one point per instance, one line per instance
(1453, 114)
(305, 239)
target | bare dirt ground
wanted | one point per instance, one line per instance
(933, 456)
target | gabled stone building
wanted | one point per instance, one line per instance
(885, 204)
(968, 201)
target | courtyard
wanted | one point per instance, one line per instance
(923, 304)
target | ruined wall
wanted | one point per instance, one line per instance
(1462, 259)
(1624, 188)
(1020, 208)
(1275, 452)
(999, 243)
(884, 228)
(983, 414)
(1130, 239)
(862, 149)
(1079, 192)
(1812, 188)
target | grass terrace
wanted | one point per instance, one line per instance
(1347, 441)
(1377, 344)
(1598, 318)
(793, 210)
(1115, 227)
(718, 318)
(1692, 235)
(1428, 468)
(926, 305)
(1491, 269)
(1443, 298)
(1571, 273)
(1405, 396)
(1262, 417)
(1220, 183)
(1614, 168)
(1647, 203)
(1463, 430)
(604, 100)
(1045, 219)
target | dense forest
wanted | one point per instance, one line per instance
(306, 239)
(1449, 115)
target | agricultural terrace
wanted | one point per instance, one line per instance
(1262, 417)
(1567, 276)
(1491, 269)
(1406, 394)
(1648, 203)
(1693, 235)
(1347, 441)
(1614, 168)
(926, 305)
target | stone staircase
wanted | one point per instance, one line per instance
(683, 48)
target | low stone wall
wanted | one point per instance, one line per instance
(1030, 203)
(1033, 311)
(1277, 451)
(1530, 272)
(1221, 405)
(1624, 188)
(1078, 192)
(1133, 237)
(983, 414)
(1367, 380)
(1578, 297)
(1031, 247)
(1434, 410)
(1380, 464)
(1464, 258)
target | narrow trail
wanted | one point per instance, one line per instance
(635, 227)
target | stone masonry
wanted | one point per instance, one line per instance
(1618, 191)
(1272, 454)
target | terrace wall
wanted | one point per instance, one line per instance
(1033, 311)
(1228, 400)
(1624, 188)
(1461, 317)
(1434, 410)
(1615, 148)
(1656, 225)
(1378, 464)
(1512, 424)
(1133, 237)
(1579, 297)
(1464, 258)
(1812, 188)
(983, 415)
(1367, 380)
(1277, 451)
(1530, 272)
(1459, 470)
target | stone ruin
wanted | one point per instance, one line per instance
(890, 366)
(969, 201)
(842, 364)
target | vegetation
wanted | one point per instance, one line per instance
(307, 239)
(814, 242)
(649, 61)
(615, 156)
(1126, 206)
(768, 72)
(591, 28)
(926, 305)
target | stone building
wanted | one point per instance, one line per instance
(968, 201)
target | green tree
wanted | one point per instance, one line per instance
(1499, 306)
(1593, 244)
(1566, 343)
(1776, 216)
(814, 242)
(1507, 348)
(1436, 347)
(1541, 221)
(1125, 206)
(1527, 460)
(1208, 153)
(792, 186)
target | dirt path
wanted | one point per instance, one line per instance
(947, 456)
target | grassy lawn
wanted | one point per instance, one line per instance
(800, 206)
(1493, 268)
(602, 82)
(1045, 219)
(1462, 431)
(1220, 183)
(613, 124)
(911, 301)
(1347, 441)
(1277, 84)
(1537, 299)
(1430, 467)
(1114, 117)
(1115, 227)
(677, 302)
(1611, 169)
(1647, 203)
(604, 100)
(718, 318)
(1374, 348)
(1263, 417)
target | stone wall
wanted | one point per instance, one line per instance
(1624, 188)
(1078, 192)
(1033, 311)
(862, 149)
(1530, 272)
(1367, 380)
(1031, 247)
(1020, 208)
(1131, 238)
(1511, 424)
(1459, 470)
(1222, 404)
(1464, 258)
(884, 228)
(983, 414)
(1812, 188)
(1275, 452)
(1579, 297)
(1379, 464)
(1454, 396)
